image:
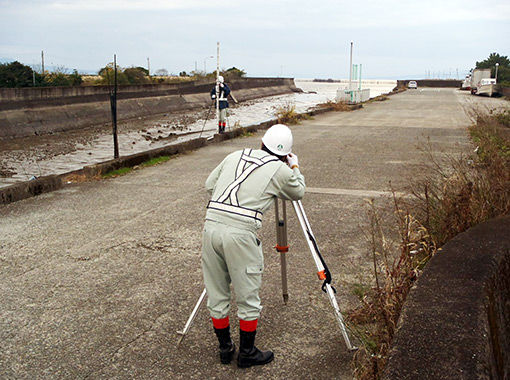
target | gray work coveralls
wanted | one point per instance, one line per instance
(242, 187)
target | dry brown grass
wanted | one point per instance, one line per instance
(399, 248)
(452, 194)
(286, 113)
(79, 178)
(338, 106)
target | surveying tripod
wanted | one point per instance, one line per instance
(282, 247)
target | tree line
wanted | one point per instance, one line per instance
(16, 75)
(503, 68)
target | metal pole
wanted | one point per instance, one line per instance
(350, 69)
(114, 112)
(281, 245)
(312, 244)
(205, 121)
(360, 66)
(217, 82)
(192, 317)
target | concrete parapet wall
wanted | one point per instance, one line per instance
(456, 320)
(47, 184)
(431, 83)
(506, 91)
(29, 111)
(29, 189)
(38, 93)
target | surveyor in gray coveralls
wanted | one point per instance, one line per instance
(242, 187)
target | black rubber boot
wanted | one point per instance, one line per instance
(227, 346)
(250, 355)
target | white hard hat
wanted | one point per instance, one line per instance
(220, 79)
(278, 139)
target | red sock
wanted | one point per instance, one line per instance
(220, 323)
(248, 326)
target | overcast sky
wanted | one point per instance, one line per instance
(292, 38)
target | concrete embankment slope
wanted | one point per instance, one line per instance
(98, 277)
(29, 111)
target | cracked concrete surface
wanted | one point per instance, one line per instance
(97, 278)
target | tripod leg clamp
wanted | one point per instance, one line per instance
(283, 249)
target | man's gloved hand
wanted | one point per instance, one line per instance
(213, 96)
(292, 160)
(221, 85)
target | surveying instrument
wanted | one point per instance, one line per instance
(282, 247)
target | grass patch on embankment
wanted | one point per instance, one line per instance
(450, 195)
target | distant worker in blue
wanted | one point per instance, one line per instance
(224, 92)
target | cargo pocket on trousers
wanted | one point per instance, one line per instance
(255, 269)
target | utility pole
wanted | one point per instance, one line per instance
(205, 67)
(113, 104)
(217, 81)
(350, 69)
(42, 62)
(149, 66)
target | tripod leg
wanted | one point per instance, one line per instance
(281, 245)
(339, 317)
(205, 121)
(192, 317)
(321, 269)
(226, 118)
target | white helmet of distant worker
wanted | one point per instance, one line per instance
(221, 79)
(278, 139)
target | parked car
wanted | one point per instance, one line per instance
(412, 84)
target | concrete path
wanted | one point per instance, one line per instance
(96, 279)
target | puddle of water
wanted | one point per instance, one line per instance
(164, 131)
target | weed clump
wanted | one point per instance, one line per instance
(399, 249)
(286, 113)
(336, 106)
(452, 194)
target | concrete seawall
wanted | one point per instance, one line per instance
(36, 111)
(455, 321)
(431, 83)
